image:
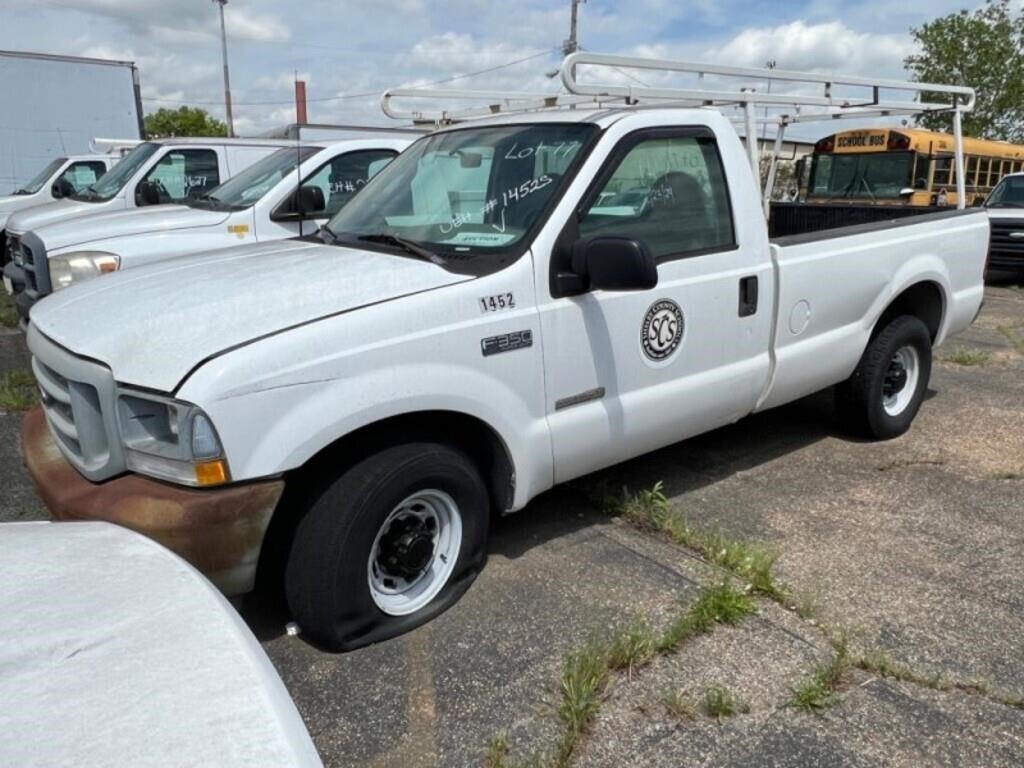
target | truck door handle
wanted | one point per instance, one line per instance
(748, 296)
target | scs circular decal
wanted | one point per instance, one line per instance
(662, 330)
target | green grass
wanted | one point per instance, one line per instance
(584, 678)
(649, 509)
(1010, 334)
(968, 357)
(679, 704)
(720, 703)
(497, 752)
(883, 665)
(18, 391)
(632, 647)
(820, 690)
(718, 604)
(8, 314)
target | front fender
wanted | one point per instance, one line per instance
(298, 420)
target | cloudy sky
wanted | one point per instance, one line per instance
(344, 48)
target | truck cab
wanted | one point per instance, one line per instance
(153, 173)
(290, 192)
(62, 177)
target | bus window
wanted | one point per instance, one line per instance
(943, 166)
(972, 171)
(920, 172)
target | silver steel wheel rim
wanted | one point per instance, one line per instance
(432, 513)
(906, 366)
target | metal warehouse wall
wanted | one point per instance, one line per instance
(52, 106)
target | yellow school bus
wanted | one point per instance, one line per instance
(905, 166)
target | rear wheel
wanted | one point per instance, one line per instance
(390, 544)
(885, 391)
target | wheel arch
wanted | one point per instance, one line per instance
(925, 300)
(476, 438)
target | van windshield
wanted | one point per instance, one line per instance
(475, 190)
(41, 178)
(254, 182)
(113, 181)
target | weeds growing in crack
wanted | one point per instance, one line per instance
(632, 647)
(679, 704)
(820, 689)
(586, 670)
(720, 703)
(649, 509)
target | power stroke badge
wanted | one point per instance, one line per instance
(662, 330)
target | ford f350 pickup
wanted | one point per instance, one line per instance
(490, 316)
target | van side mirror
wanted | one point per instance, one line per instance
(62, 188)
(310, 201)
(613, 263)
(147, 193)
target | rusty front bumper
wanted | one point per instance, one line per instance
(220, 531)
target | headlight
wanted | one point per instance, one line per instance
(74, 267)
(170, 440)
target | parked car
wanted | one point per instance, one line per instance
(62, 177)
(1005, 206)
(381, 390)
(262, 203)
(117, 652)
(152, 173)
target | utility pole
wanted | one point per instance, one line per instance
(571, 45)
(227, 81)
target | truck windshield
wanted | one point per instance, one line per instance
(869, 175)
(241, 191)
(475, 190)
(41, 178)
(1009, 193)
(113, 181)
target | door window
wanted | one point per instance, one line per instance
(184, 173)
(346, 174)
(81, 174)
(669, 193)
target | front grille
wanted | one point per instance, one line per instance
(14, 248)
(1006, 244)
(78, 398)
(33, 261)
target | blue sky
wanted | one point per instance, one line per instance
(343, 48)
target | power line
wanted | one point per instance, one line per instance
(537, 55)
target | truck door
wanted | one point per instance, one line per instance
(630, 371)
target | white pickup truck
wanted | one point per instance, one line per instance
(487, 318)
(152, 173)
(62, 177)
(262, 203)
(1005, 206)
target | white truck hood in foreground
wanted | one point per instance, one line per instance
(153, 325)
(134, 221)
(117, 652)
(40, 215)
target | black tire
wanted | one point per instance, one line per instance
(326, 580)
(860, 399)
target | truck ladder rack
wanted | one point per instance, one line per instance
(795, 97)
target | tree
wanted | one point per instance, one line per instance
(983, 49)
(184, 121)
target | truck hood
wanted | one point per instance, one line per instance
(153, 325)
(136, 221)
(48, 213)
(11, 203)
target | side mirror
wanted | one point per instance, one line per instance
(906, 192)
(310, 201)
(62, 188)
(615, 264)
(147, 193)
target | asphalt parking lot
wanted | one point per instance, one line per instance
(910, 549)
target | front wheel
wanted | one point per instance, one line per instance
(390, 544)
(885, 391)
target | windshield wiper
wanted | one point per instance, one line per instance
(1005, 205)
(408, 246)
